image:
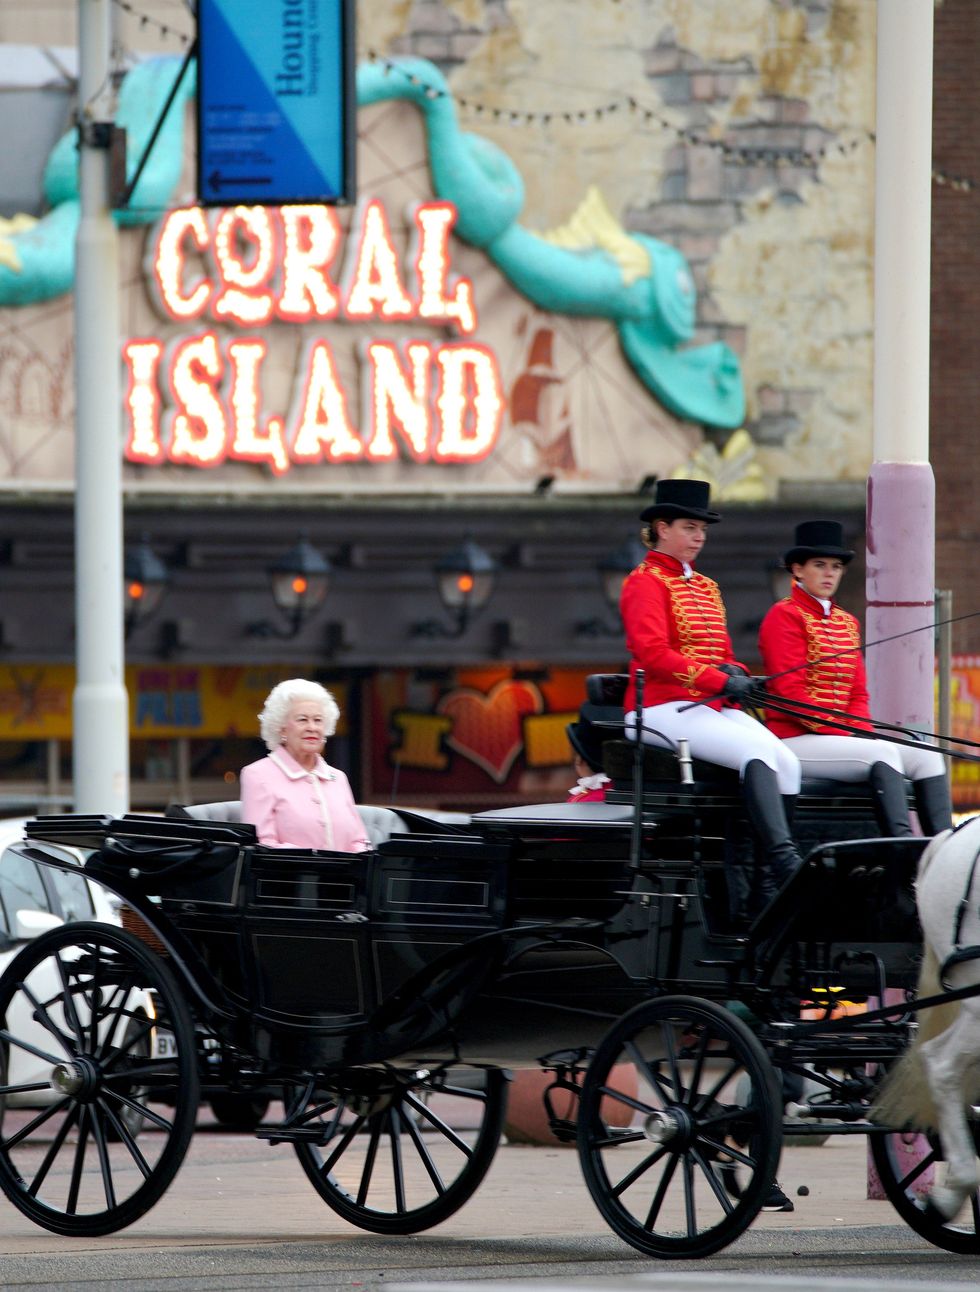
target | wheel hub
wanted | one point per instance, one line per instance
(77, 1077)
(668, 1126)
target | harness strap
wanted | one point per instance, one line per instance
(957, 958)
(963, 907)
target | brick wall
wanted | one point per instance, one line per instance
(955, 364)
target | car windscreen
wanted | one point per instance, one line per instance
(73, 894)
(21, 887)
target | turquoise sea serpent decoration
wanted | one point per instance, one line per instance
(589, 267)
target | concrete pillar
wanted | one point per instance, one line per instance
(100, 705)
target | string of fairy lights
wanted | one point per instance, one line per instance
(740, 154)
(146, 20)
(734, 153)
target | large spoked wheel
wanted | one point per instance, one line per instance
(692, 1169)
(405, 1150)
(902, 1161)
(77, 1024)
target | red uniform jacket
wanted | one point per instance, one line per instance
(797, 631)
(676, 632)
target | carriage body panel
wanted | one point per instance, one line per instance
(517, 940)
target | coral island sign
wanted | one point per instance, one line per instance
(243, 268)
(426, 340)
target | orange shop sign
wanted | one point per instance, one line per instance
(965, 710)
(197, 399)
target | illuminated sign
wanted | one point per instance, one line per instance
(197, 401)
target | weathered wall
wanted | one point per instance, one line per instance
(774, 211)
(776, 219)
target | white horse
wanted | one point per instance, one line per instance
(938, 1078)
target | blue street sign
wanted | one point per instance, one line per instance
(275, 101)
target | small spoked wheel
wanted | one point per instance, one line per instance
(79, 1008)
(692, 1168)
(905, 1162)
(402, 1151)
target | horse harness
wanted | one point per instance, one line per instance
(959, 955)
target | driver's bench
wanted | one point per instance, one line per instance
(703, 820)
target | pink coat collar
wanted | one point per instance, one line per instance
(288, 764)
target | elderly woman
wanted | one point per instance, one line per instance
(292, 797)
(814, 649)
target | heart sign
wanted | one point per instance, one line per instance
(487, 728)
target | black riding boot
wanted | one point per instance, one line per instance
(933, 805)
(890, 800)
(767, 816)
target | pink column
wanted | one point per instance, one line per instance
(901, 488)
(900, 591)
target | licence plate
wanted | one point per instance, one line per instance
(164, 1044)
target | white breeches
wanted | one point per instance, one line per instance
(850, 758)
(727, 737)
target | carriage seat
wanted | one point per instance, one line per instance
(819, 797)
(379, 822)
(618, 755)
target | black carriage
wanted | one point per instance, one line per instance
(385, 997)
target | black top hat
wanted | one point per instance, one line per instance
(587, 739)
(677, 498)
(818, 538)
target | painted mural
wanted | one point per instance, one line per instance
(735, 142)
(290, 369)
(473, 738)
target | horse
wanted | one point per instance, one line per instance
(938, 1077)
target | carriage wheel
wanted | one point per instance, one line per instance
(80, 1074)
(901, 1160)
(404, 1151)
(706, 1126)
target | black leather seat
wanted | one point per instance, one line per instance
(825, 808)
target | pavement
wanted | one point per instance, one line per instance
(240, 1214)
(250, 1193)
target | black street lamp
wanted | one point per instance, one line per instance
(299, 580)
(613, 569)
(145, 579)
(464, 579)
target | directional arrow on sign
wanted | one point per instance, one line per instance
(217, 181)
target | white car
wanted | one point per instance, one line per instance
(33, 899)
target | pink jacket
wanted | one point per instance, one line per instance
(293, 808)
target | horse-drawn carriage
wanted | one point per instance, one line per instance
(385, 997)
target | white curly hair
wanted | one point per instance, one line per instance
(281, 699)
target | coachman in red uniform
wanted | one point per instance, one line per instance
(676, 632)
(811, 649)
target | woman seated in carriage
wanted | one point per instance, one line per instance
(293, 797)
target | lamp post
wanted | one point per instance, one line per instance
(100, 708)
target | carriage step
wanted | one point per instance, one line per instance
(563, 1130)
(291, 1134)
